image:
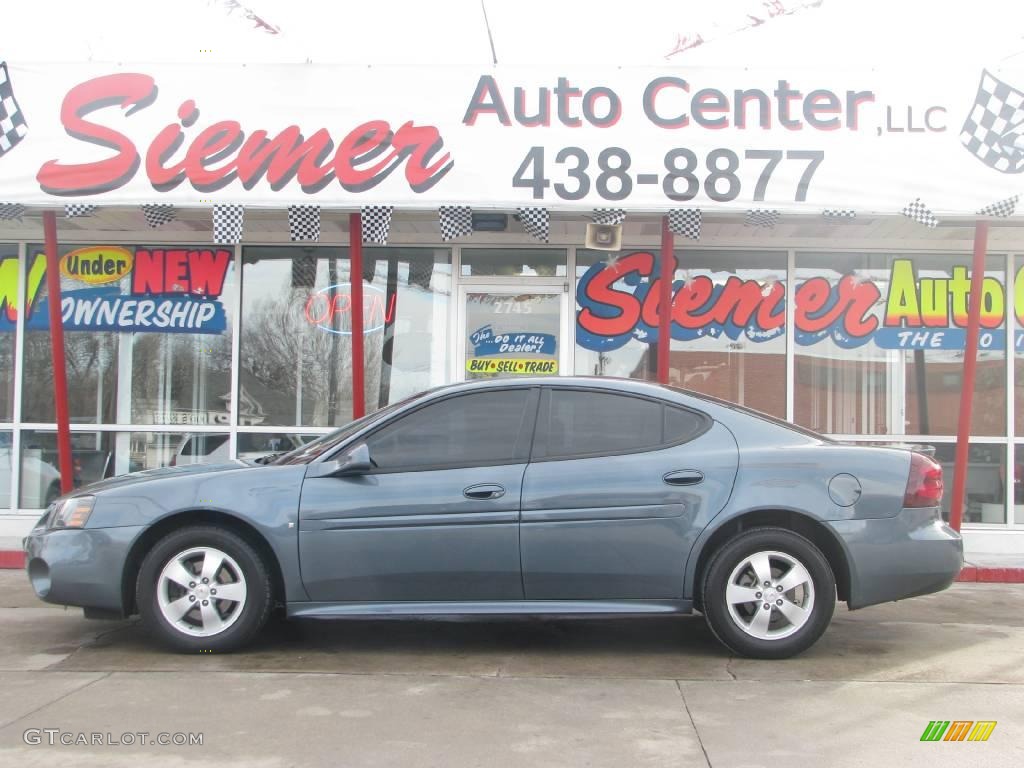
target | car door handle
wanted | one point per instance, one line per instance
(484, 491)
(684, 477)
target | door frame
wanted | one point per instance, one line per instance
(529, 285)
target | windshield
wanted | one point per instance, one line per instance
(326, 443)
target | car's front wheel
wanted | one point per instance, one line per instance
(768, 593)
(203, 589)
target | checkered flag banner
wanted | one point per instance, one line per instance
(612, 216)
(1001, 209)
(12, 120)
(158, 214)
(920, 213)
(994, 130)
(536, 222)
(455, 221)
(685, 222)
(376, 223)
(304, 222)
(227, 224)
(11, 211)
(760, 217)
(839, 214)
(75, 210)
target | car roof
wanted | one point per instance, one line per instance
(595, 382)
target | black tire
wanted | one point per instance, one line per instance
(252, 612)
(730, 556)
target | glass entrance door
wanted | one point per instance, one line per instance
(512, 331)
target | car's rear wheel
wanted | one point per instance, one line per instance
(768, 593)
(203, 589)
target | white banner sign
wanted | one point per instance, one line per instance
(638, 139)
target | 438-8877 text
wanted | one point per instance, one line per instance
(683, 177)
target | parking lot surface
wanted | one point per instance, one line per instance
(650, 692)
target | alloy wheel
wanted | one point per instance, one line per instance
(201, 591)
(770, 595)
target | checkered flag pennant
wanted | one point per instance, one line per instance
(455, 221)
(304, 222)
(994, 130)
(761, 217)
(158, 214)
(1002, 209)
(11, 211)
(227, 224)
(75, 210)
(376, 223)
(920, 213)
(839, 214)
(536, 222)
(12, 120)
(685, 222)
(612, 216)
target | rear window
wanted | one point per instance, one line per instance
(751, 412)
(587, 423)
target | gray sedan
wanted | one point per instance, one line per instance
(558, 497)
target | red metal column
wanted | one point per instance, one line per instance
(60, 377)
(963, 432)
(668, 269)
(355, 253)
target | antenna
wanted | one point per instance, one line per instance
(490, 37)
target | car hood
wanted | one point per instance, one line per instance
(166, 472)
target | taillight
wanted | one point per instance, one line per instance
(924, 486)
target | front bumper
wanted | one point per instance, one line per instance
(80, 567)
(892, 558)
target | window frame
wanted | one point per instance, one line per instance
(538, 452)
(523, 442)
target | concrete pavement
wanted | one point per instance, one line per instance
(654, 692)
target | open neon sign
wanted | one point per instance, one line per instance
(330, 309)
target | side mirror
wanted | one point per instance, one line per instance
(355, 462)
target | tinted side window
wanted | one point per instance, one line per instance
(462, 431)
(683, 425)
(581, 423)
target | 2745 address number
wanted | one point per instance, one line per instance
(684, 176)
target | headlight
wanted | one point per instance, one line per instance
(73, 512)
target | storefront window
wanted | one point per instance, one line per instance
(156, 313)
(99, 455)
(1018, 484)
(295, 366)
(151, 450)
(729, 339)
(6, 475)
(609, 338)
(728, 323)
(91, 356)
(183, 376)
(253, 445)
(1017, 310)
(509, 333)
(986, 481)
(879, 344)
(8, 325)
(513, 262)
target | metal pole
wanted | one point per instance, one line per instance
(668, 269)
(60, 377)
(355, 234)
(963, 433)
